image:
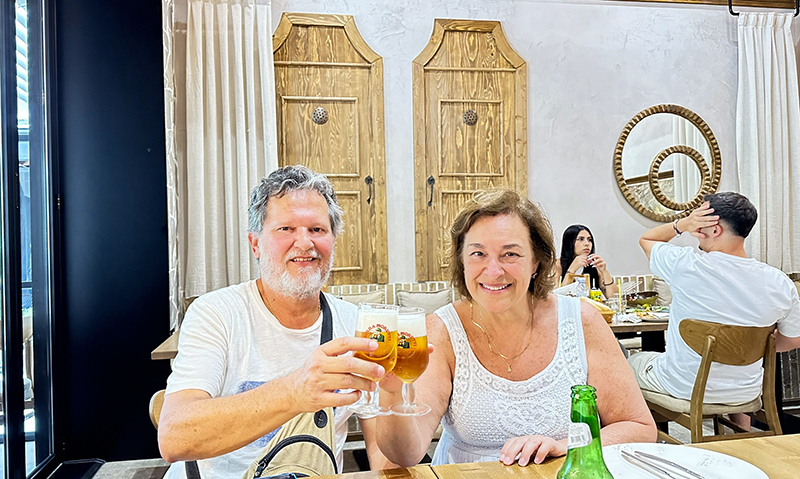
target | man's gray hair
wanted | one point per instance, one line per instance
(292, 178)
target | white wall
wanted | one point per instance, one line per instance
(592, 65)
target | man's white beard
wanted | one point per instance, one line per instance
(279, 280)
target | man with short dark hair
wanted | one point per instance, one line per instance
(719, 284)
(249, 355)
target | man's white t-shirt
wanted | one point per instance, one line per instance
(231, 343)
(725, 289)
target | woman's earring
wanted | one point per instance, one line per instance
(533, 276)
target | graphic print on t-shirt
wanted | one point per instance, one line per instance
(246, 386)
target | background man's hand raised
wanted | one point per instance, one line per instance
(698, 219)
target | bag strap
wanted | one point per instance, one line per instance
(327, 320)
(264, 462)
(192, 471)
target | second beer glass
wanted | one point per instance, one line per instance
(377, 322)
(412, 359)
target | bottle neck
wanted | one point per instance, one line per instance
(585, 410)
(584, 445)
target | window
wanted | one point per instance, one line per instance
(26, 199)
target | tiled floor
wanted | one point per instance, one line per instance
(144, 469)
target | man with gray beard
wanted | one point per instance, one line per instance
(249, 355)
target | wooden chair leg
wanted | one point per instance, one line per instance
(696, 423)
(718, 428)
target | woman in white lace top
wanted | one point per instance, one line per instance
(508, 352)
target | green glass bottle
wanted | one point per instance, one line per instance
(584, 452)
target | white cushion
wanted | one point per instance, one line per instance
(664, 294)
(371, 297)
(683, 406)
(430, 301)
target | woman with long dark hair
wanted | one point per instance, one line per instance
(578, 257)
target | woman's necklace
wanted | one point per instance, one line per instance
(492, 348)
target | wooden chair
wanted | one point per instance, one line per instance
(156, 402)
(724, 344)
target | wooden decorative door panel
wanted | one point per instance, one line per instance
(469, 130)
(329, 93)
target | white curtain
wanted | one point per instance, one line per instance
(687, 174)
(224, 139)
(768, 136)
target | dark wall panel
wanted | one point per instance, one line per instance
(114, 305)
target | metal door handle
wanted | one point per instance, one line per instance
(368, 181)
(431, 181)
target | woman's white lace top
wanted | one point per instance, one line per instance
(485, 410)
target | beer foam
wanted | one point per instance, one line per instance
(413, 324)
(365, 320)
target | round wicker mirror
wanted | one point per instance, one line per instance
(665, 161)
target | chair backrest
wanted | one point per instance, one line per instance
(733, 345)
(156, 402)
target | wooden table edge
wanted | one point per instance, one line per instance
(167, 349)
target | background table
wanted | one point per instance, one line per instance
(652, 333)
(168, 349)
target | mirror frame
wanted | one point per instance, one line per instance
(710, 176)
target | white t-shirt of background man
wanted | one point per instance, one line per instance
(725, 289)
(230, 343)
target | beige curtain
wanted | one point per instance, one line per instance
(768, 136)
(220, 114)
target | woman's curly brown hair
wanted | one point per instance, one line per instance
(497, 202)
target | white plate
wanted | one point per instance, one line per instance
(710, 464)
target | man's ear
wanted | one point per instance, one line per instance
(252, 238)
(717, 230)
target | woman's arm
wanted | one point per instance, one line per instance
(405, 440)
(607, 285)
(623, 413)
(557, 274)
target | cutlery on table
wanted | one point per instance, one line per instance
(658, 466)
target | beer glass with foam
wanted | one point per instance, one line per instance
(412, 359)
(379, 323)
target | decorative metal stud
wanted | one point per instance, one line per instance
(319, 116)
(470, 117)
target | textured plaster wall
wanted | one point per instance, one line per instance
(592, 65)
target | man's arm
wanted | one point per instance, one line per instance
(697, 220)
(193, 425)
(784, 343)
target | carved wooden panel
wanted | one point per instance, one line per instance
(349, 244)
(469, 129)
(331, 147)
(451, 203)
(329, 94)
(471, 149)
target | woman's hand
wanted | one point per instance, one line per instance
(391, 383)
(598, 262)
(580, 261)
(526, 446)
